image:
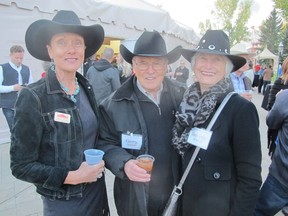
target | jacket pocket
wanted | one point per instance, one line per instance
(60, 132)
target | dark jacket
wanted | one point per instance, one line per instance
(272, 133)
(44, 150)
(277, 119)
(119, 113)
(275, 88)
(104, 78)
(185, 74)
(225, 179)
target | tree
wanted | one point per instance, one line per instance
(282, 5)
(270, 35)
(284, 37)
(205, 26)
(231, 16)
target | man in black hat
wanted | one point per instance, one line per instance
(137, 119)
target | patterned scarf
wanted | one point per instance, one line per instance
(195, 109)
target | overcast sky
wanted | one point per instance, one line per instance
(182, 11)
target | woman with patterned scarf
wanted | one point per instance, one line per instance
(226, 177)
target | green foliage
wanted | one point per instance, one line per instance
(205, 26)
(224, 12)
(285, 42)
(270, 35)
(282, 5)
(282, 8)
(240, 32)
(232, 17)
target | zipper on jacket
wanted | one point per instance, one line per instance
(159, 110)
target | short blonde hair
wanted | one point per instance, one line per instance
(284, 75)
(16, 49)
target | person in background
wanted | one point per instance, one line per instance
(250, 72)
(169, 72)
(124, 68)
(88, 63)
(56, 119)
(260, 84)
(241, 83)
(103, 76)
(280, 84)
(137, 119)
(267, 76)
(226, 177)
(182, 72)
(279, 72)
(46, 66)
(273, 195)
(13, 77)
(256, 75)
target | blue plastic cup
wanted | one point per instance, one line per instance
(93, 156)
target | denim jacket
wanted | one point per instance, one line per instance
(43, 149)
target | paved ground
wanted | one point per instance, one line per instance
(19, 198)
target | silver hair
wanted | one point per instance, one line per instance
(228, 68)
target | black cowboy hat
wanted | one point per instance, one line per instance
(150, 44)
(40, 32)
(215, 42)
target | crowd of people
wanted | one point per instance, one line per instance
(138, 106)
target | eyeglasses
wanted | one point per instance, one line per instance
(143, 65)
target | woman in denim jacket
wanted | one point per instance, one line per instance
(56, 120)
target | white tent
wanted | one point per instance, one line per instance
(267, 54)
(123, 20)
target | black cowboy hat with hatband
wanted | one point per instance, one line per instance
(215, 42)
(150, 44)
(40, 32)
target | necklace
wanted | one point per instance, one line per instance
(66, 90)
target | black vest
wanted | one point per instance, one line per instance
(10, 77)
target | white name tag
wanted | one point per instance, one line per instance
(62, 117)
(199, 137)
(131, 141)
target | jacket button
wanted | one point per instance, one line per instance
(198, 160)
(216, 175)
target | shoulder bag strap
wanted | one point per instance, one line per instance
(222, 105)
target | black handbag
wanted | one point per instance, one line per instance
(265, 100)
(172, 204)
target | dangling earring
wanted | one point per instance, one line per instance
(52, 65)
